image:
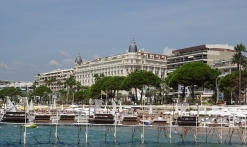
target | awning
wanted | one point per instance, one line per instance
(207, 95)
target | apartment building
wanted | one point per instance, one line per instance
(55, 79)
(216, 56)
(208, 54)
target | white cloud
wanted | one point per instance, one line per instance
(69, 61)
(19, 63)
(34, 66)
(168, 51)
(54, 63)
(4, 66)
(63, 53)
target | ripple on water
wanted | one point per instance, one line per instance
(74, 136)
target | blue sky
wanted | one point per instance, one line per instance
(39, 36)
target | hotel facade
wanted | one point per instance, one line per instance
(216, 56)
(120, 65)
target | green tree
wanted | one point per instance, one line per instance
(152, 91)
(229, 85)
(98, 86)
(164, 91)
(191, 74)
(62, 95)
(43, 92)
(138, 79)
(35, 83)
(97, 76)
(39, 91)
(114, 83)
(12, 92)
(238, 57)
(81, 95)
(70, 84)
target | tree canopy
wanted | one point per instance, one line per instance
(10, 91)
(229, 85)
(238, 57)
(139, 79)
(98, 86)
(40, 91)
(191, 74)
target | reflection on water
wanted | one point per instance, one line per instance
(126, 136)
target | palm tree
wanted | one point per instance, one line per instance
(70, 83)
(35, 83)
(164, 91)
(46, 82)
(62, 95)
(59, 84)
(238, 59)
(46, 97)
(152, 92)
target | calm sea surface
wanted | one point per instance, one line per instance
(11, 135)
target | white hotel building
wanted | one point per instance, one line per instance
(120, 65)
(161, 65)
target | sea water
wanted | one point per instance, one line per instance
(103, 135)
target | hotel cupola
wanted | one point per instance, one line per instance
(78, 59)
(133, 47)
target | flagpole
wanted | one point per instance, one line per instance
(25, 122)
(106, 103)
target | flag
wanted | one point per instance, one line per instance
(102, 92)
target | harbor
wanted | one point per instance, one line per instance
(127, 125)
(120, 135)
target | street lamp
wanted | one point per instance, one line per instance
(217, 89)
(173, 109)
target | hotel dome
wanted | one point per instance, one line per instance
(133, 47)
(78, 59)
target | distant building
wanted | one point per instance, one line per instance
(120, 65)
(24, 86)
(205, 53)
(3, 82)
(216, 56)
(59, 76)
